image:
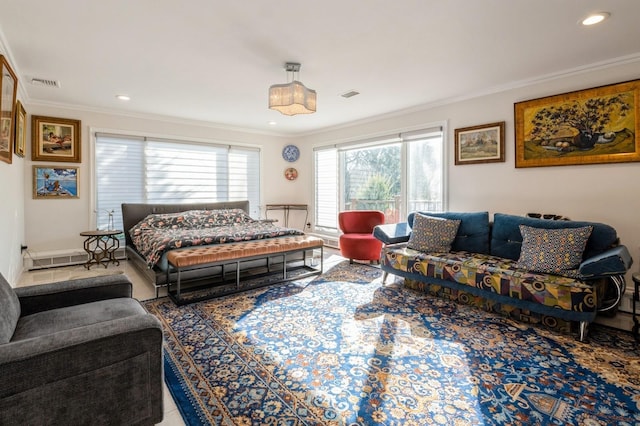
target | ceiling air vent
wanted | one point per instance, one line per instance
(350, 94)
(44, 82)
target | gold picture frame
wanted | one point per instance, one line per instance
(8, 92)
(480, 144)
(55, 182)
(591, 126)
(55, 139)
(21, 130)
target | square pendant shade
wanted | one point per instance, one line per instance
(292, 98)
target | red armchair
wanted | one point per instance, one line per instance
(357, 241)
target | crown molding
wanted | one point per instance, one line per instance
(546, 78)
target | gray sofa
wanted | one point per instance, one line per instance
(78, 352)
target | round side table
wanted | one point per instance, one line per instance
(101, 247)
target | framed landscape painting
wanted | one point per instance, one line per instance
(55, 182)
(592, 126)
(55, 139)
(480, 144)
(8, 91)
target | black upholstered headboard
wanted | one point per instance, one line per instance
(132, 213)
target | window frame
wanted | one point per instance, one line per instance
(404, 137)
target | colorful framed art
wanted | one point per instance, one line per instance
(55, 182)
(21, 130)
(592, 126)
(55, 139)
(8, 92)
(480, 144)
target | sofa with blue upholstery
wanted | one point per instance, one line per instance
(557, 274)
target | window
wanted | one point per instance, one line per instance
(395, 174)
(132, 169)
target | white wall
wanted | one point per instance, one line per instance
(12, 221)
(608, 193)
(11, 212)
(604, 193)
(56, 224)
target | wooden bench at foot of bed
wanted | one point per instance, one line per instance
(235, 253)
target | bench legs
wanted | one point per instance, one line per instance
(177, 295)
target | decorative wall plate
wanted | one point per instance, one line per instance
(291, 174)
(291, 153)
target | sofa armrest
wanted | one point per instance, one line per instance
(615, 261)
(392, 233)
(37, 298)
(110, 368)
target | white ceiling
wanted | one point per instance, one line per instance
(213, 60)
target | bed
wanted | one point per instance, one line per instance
(152, 231)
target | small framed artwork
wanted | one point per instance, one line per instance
(480, 144)
(21, 130)
(55, 139)
(8, 92)
(53, 182)
(591, 126)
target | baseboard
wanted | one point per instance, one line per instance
(329, 241)
(33, 260)
(621, 321)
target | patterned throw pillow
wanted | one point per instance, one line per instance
(552, 250)
(221, 217)
(432, 234)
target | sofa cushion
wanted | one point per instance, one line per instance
(497, 278)
(506, 239)
(552, 250)
(473, 232)
(56, 320)
(9, 311)
(432, 233)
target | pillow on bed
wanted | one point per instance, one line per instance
(432, 234)
(165, 220)
(222, 217)
(192, 219)
(552, 250)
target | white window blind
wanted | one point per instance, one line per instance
(146, 170)
(326, 175)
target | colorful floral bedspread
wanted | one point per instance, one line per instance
(158, 233)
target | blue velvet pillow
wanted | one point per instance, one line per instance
(506, 239)
(432, 234)
(552, 250)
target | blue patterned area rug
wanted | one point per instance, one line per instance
(342, 349)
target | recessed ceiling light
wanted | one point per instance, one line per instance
(595, 18)
(272, 123)
(123, 97)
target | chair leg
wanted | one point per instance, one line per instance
(350, 261)
(582, 332)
